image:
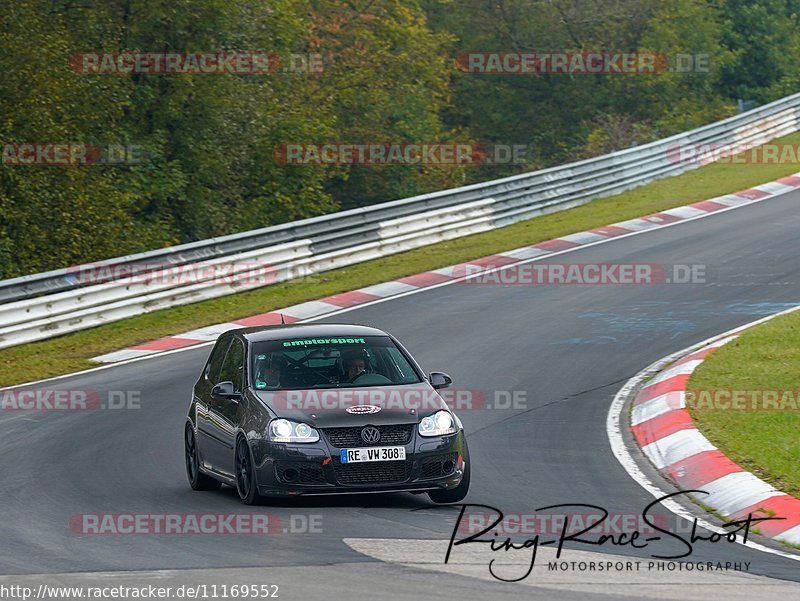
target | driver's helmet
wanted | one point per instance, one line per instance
(269, 369)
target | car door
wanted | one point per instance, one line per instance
(207, 442)
(223, 413)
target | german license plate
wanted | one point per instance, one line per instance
(372, 454)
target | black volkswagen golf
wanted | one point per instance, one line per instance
(320, 409)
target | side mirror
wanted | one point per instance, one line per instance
(224, 390)
(440, 380)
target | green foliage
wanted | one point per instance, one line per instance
(389, 76)
(765, 39)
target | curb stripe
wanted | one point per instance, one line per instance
(485, 262)
(556, 245)
(679, 369)
(662, 426)
(730, 200)
(123, 355)
(774, 188)
(686, 212)
(520, 254)
(350, 299)
(387, 289)
(732, 493)
(708, 205)
(661, 218)
(676, 384)
(421, 280)
(698, 470)
(753, 194)
(665, 432)
(676, 447)
(209, 333)
(784, 506)
(637, 225)
(698, 355)
(657, 406)
(612, 230)
(265, 319)
(309, 309)
(165, 344)
(582, 238)
(791, 536)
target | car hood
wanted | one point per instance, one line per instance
(327, 408)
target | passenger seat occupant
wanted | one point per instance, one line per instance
(268, 370)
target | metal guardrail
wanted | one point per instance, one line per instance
(43, 305)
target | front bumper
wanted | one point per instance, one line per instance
(315, 469)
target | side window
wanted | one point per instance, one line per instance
(233, 367)
(215, 360)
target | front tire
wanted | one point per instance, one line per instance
(457, 494)
(246, 484)
(197, 480)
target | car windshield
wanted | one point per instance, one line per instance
(335, 362)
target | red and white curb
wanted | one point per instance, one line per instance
(330, 304)
(666, 434)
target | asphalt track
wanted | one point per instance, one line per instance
(568, 347)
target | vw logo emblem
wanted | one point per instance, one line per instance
(363, 409)
(371, 434)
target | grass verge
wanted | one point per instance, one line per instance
(765, 442)
(72, 352)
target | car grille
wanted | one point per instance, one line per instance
(351, 437)
(383, 472)
(435, 467)
(299, 472)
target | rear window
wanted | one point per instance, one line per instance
(335, 362)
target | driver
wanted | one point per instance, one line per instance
(355, 365)
(268, 371)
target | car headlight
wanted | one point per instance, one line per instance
(283, 430)
(438, 424)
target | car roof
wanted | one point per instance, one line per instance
(317, 330)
